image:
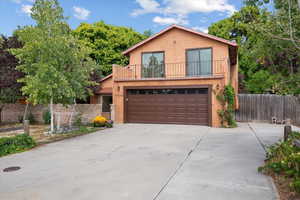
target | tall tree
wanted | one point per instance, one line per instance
(107, 43)
(279, 51)
(269, 59)
(55, 63)
(237, 28)
(9, 87)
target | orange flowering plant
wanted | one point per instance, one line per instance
(99, 121)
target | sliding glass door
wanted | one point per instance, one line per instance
(199, 62)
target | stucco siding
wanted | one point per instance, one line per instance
(174, 44)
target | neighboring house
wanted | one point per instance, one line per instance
(103, 95)
(173, 77)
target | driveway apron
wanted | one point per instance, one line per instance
(142, 162)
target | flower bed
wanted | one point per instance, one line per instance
(100, 121)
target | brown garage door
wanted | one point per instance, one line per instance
(174, 106)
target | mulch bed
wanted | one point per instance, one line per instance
(282, 185)
(58, 137)
(10, 127)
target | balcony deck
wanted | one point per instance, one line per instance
(171, 71)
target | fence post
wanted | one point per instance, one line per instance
(287, 132)
(112, 112)
(26, 127)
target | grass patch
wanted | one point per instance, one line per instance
(283, 164)
(16, 144)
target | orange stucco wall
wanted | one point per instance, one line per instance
(106, 83)
(104, 89)
(174, 43)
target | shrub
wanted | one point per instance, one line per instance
(20, 119)
(283, 159)
(16, 144)
(47, 117)
(227, 99)
(31, 118)
(78, 120)
(99, 121)
(109, 124)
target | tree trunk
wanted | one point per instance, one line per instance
(72, 114)
(52, 116)
(299, 4)
(1, 109)
(291, 67)
(25, 112)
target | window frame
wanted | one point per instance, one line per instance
(164, 63)
(200, 48)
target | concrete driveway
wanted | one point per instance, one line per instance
(145, 162)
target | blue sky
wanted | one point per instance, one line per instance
(139, 14)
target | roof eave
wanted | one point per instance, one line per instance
(182, 28)
(106, 77)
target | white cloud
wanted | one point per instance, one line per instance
(201, 6)
(147, 6)
(17, 1)
(200, 28)
(81, 13)
(177, 11)
(26, 9)
(169, 20)
(21, 1)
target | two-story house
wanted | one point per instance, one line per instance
(174, 77)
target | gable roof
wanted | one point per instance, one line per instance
(106, 77)
(233, 44)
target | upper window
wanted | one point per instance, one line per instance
(153, 64)
(199, 62)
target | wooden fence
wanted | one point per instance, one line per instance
(262, 107)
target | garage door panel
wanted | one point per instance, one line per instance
(196, 110)
(196, 115)
(168, 108)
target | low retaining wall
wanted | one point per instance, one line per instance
(13, 112)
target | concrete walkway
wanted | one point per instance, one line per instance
(145, 162)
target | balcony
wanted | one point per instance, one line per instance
(171, 71)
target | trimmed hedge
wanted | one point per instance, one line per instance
(19, 143)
